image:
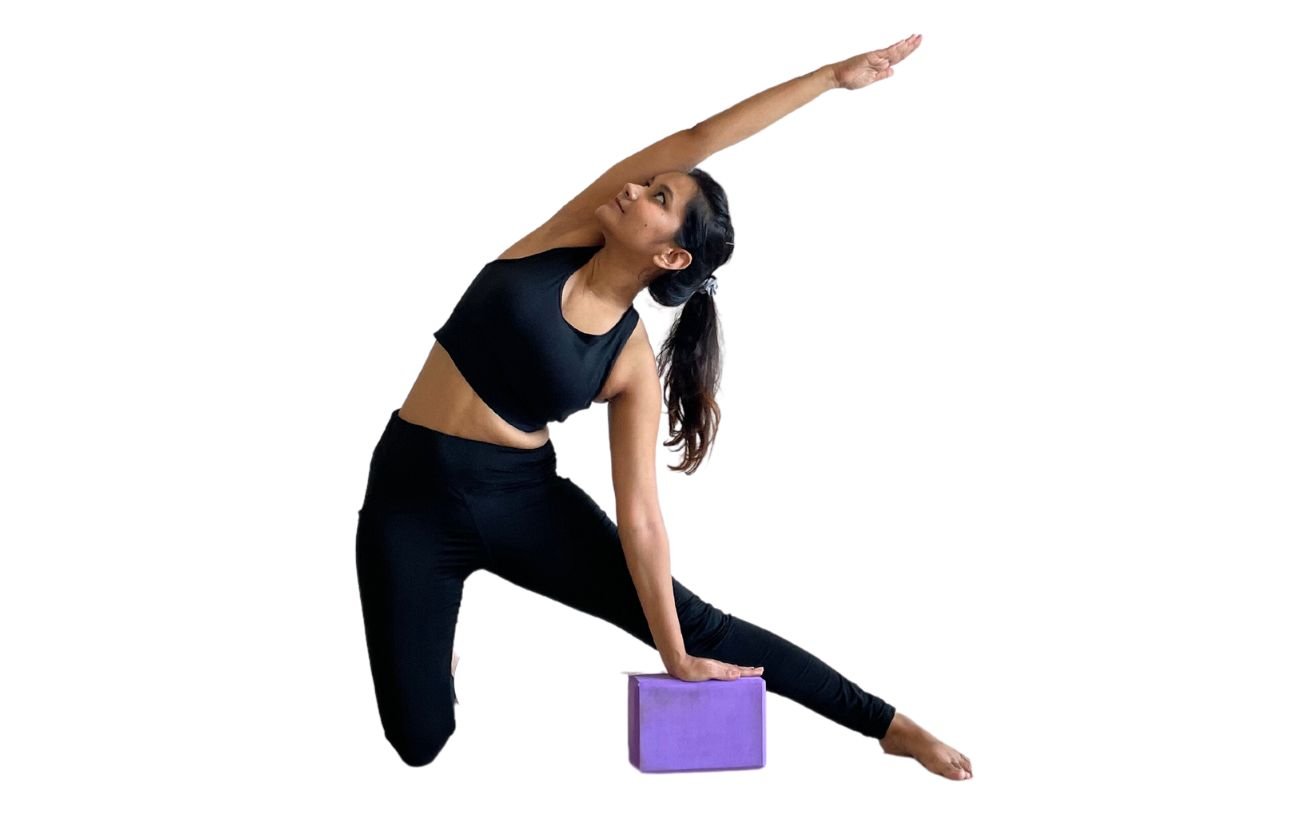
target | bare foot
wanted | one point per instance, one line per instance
(906, 739)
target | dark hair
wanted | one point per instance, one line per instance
(692, 352)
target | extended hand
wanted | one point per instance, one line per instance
(864, 69)
(691, 668)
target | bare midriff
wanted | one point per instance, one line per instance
(443, 400)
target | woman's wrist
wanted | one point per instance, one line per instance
(673, 659)
(828, 73)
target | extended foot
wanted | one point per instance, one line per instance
(906, 739)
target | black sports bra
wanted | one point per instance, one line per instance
(508, 337)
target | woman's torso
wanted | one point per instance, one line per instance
(443, 400)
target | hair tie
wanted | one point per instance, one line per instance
(710, 286)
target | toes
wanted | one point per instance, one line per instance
(960, 772)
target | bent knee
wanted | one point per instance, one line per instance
(420, 748)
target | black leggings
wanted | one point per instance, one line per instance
(438, 507)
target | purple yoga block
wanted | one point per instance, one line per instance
(692, 726)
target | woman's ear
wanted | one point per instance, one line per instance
(678, 259)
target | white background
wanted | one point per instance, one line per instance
(1009, 396)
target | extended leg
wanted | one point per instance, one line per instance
(558, 542)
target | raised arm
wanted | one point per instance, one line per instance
(748, 117)
(686, 148)
(751, 115)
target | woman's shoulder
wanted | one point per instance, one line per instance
(553, 236)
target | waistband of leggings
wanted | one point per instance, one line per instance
(476, 459)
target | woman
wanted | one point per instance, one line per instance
(464, 475)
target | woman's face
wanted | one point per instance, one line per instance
(646, 214)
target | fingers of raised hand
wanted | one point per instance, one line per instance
(902, 48)
(895, 52)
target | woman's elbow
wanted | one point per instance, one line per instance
(642, 528)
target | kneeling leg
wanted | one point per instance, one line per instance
(410, 600)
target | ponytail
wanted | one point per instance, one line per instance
(692, 358)
(690, 361)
